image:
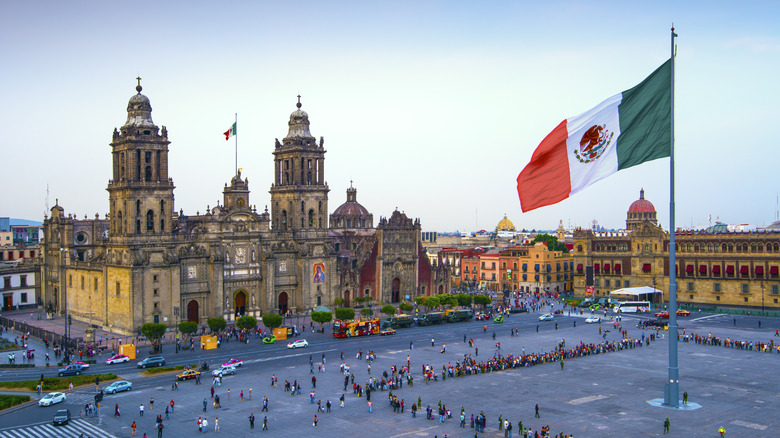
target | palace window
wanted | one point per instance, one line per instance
(745, 288)
(690, 286)
(716, 287)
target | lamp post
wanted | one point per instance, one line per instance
(176, 329)
(762, 296)
(64, 282)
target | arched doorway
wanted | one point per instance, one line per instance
(346, 298)
(441, 289)
(192, 311)
(239, 303)
(283, 303)
(396, 291)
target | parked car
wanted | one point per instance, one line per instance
(233, 362)
(546, 317)
(298, 343)
(70, 370)
(117, 358)
(61, 417)
(387, 332)
(118, 386)
(153, 361)
(52, 398)
(593, 320)
(188, 374)
(224, 370)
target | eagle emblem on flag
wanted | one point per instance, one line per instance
(593, 143)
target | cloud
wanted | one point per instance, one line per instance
(755, 44)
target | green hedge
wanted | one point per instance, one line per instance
(17, 365)
(58, 383)
(167, 369)
(8, 401)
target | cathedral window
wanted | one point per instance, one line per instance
(137, 164)
(157, 166)
(311, 218)
(150, 221)
(138, 207)
(148, 174)
(138, 226)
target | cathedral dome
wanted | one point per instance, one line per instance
(641, 205)
(299, 123)
(505, 225)
(139, 110)
(351, 214)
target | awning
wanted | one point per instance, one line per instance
(617, 267)
(557, 266)
(536, 277)
(689, 269)
(716, 269)
(549, 267)
(549, 277)
(759, 270)
(702, 269)
(773, 270)
(596, 267)
(558, 276)
(606, 267)
(744, 270)
(729, 269)
(579, 266)
(525, 266)
(646, 267)
(536, 268)
(525, 277)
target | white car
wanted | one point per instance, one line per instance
(52, 398)
(546, 317)
(593, 320)
(117, 358)
(298, 343)
(224, 370)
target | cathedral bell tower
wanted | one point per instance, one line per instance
(299, 195)
(140, 192)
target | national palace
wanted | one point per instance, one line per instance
(147, 262)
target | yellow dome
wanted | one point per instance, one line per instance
(505, 225)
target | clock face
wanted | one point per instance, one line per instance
(240, 202)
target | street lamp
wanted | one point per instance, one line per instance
(176, 329)
(64, 283)
(762, 296)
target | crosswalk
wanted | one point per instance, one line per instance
(74, 429)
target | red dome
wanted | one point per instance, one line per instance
(641, 205)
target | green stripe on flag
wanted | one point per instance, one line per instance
(645, 119)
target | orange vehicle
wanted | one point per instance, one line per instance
(354, 327)
(680, 312)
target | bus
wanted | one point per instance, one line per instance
(632, 307)
(354, 327)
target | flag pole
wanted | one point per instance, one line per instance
(235, 135)
(672, 388)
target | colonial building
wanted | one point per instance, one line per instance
(146, 262)
(713, 266)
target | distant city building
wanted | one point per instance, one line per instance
(716, 266)
(19, 285)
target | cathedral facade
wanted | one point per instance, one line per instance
(146, 262)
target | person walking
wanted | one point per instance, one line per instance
(141, 410)
(433, 343)
(667, 423)
(252, 421)
(341, 399)
(200, 424)
(265, 423)
(315, 421)
(685, 397)
(160, 428)
(204, 404)
(205, 424)
(151, 403)
(216, 424)
(537, 411)
(133, 426)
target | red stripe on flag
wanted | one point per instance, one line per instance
(227, 134)
(545, 179)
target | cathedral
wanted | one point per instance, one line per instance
(146, 262)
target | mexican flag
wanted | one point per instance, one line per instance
(627, 129)
(230, 132)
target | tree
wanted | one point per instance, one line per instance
(366, 312)
(344, 313)
(388, 310)
(406, 307)
(216, 324)
(482, 300)
(154, 332)
(447, 299)
(432, 302)
(321, 317)
(188, 327)
(272, 320)
(463, 299)
(420, 300)
(246, 322)
(552, 242)
(339, 301)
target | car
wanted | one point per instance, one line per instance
(61, 417)
(595, 307)
(224, 370)
(70, 370)
(269, 339)
(188, 374)
(546, 317)
(118, 386)
(153, 361)
(680, 312)
(298, 343)
(52, 398)
(482, 317)
(387, 332)
(593, 320)
(233, 362)
(84, 365)
(117, 358)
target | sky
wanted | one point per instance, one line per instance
(430, 107)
